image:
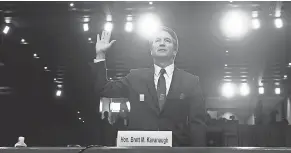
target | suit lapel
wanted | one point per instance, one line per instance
(174, 87)
(152, 90)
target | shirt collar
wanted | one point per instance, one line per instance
(169, 69)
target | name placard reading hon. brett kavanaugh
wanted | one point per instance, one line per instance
(144, 138)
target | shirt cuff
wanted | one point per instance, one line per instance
(98, 60)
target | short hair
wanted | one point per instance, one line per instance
(172, 33)
(106, 113)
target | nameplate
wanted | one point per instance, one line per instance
(144, 138)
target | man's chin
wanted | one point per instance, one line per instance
(162, 57)
(162, 54)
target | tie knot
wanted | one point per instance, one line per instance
(162, 72)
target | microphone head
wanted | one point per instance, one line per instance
(21, 139)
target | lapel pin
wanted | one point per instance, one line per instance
(141, 97)
(182, 96)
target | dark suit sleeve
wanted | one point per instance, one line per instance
(197, 116)
(106, 88)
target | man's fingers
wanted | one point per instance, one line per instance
(112, 41)
(103, 35)
(108, 35)
(98, 38)
(105, 38)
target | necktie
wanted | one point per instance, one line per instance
(161, 89)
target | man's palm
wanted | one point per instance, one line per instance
(103, 44)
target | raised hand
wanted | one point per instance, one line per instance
(103, 44)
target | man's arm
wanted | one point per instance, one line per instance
(106, 88)
(197, 116)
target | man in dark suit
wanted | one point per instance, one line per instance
(163, 97)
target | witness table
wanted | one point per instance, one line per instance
(145, 150)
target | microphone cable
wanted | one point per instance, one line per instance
(88, 147)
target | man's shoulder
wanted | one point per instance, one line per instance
(188, 75)
(139, 71)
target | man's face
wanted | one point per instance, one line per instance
(163, 46)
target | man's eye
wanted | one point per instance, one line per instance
(168, 40)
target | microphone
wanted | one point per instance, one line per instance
(90, 146)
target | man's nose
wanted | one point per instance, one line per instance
(162, 43)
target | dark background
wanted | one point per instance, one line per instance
(54, 32)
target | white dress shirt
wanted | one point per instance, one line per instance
(168, 76)
(99, 60)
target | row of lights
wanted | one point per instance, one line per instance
(7, 28)
(230, 89)
(233, 24)
(108, 26)
(147, 24)
(80, 119)
(236, 23)
(58, 80)
(59, 85)
(59, 91)
(228, 74)
(37, 57)
(278, 22)
(23, 41)
(73, 5)
(277, 89)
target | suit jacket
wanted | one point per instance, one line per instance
(183, 112)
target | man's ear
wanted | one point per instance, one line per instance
(175, 52)
(151, 53)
